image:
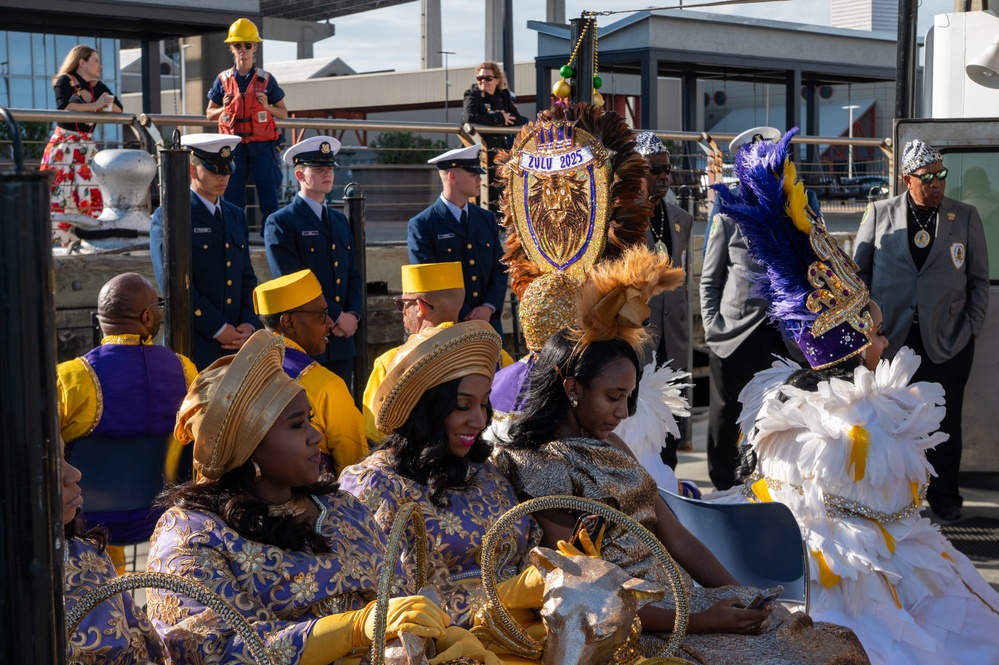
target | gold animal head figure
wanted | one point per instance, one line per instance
(590, 607)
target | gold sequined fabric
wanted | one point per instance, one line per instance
(597, 470)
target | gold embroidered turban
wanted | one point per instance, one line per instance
(429, 358)
(234, 403)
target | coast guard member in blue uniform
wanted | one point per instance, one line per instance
(222, 279)
(309, 234)
(452, 229)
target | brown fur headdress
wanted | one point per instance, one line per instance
(612, 302)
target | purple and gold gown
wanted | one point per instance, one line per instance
(115, 632)
(455, 532)
(280, 593)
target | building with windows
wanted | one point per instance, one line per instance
(870, 15)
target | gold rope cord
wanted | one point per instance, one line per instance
(408, 513)
(515, 635)
(177, 584)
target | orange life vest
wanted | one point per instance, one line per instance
(245, 116)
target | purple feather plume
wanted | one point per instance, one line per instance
(773, 240)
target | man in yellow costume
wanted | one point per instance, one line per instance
(293, 307)
(432, 295)
(126, 388)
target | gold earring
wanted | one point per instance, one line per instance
(256, 470)
(573, 401)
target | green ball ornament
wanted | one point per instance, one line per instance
(597, 83)
(567, 72)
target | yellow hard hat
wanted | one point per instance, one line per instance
(243, 30)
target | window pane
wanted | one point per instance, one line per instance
(44, 97)
(64, 44)
(20, 53)
(969, 180)
(4, 91)
(20, 93)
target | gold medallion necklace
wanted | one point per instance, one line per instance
(922, 238)
(660, 246)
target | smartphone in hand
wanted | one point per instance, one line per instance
(765, 597)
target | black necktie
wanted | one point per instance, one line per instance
(464, 217)
(218, 215)
(325, 217)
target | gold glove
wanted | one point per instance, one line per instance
(459, 643)
(590, 547)
(523, 591)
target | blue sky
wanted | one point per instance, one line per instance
(390, 38)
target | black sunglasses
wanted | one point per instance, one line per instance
(925, 178)
(400, 302)
(656, 169)
(248, 46)
(485, 78)
(321, 313)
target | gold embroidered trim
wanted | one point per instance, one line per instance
(99, 396)
(837, 506)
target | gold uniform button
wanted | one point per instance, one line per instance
(334, 245)
(312, 249)
(338, 280)
(475, 294)
(228, 264)
(448, 249)
(228, 301)
(228, 282)
(197, 312)
(470, 245)
(336, 264)
(474, 277)
(471, 262)
(487, 244)
(206, 246)
(227, 245)
(337, 298)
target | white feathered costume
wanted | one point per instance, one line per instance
(849, 460)
(660, 401)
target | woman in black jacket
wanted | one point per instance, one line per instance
(488, 101)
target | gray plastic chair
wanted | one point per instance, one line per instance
(759, 543)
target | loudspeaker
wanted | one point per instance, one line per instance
(984, 69)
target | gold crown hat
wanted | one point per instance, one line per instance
(429, 358)
(430, 277)
(231, 406)
(574, 193)
(286, 293)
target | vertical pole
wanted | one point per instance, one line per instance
(508, 61)
(175, 198)
(32, 547)
(582, 82)
(905, 60)
(353, 208)
(150, 76)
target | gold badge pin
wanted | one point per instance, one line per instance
(676, 227)
(951, 215)
(224, 152)
(325, 148)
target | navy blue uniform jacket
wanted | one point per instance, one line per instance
(222, 279)
(296, 239)
(435, 236)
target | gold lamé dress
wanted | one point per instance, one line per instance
(593, 469)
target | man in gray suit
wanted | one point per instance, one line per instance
(669, 233)
(740, 341)
(924, 259)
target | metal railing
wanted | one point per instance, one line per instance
(396, 192)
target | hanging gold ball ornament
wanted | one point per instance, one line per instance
(562, 89)
(598, 99)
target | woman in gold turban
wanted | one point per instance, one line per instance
(264, 529)
(434, 405)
